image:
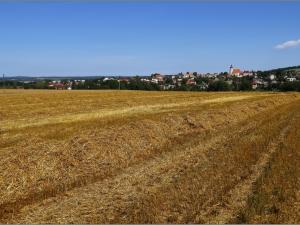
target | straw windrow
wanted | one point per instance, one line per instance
(132, 156)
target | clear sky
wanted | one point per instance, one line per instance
(42, 39)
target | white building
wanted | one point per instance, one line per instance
(272, 77)
(291, 79)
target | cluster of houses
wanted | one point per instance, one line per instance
(60, 85)
(233, 73)
(188, 78)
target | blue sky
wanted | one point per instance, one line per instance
(54, 39)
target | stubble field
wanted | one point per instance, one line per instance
(149, 157)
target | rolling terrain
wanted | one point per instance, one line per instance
(149, 157)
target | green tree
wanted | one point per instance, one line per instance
(245, 85)
(218, 86)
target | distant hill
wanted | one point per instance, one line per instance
(29, 78)
(292, 68)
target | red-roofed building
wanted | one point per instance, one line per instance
(191, 82)
(234, 71)
(157, 77)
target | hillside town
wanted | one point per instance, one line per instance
(234, 79)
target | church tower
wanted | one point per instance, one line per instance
(230, 70)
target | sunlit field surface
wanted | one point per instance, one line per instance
(149, 157)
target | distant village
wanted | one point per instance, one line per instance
(232, 80)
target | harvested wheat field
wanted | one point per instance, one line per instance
(149, 157)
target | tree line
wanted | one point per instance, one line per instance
(202, 84)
